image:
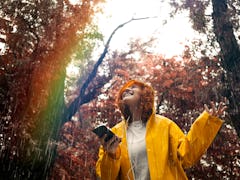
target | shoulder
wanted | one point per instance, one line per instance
(173, 130)
(162, 119)
(118, 127)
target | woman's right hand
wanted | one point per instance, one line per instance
(111, 145)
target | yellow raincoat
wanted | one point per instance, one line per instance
(169, 150)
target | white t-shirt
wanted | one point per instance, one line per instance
(137, 150)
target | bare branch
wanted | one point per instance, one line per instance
(84, 98)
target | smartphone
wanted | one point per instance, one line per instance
(101, 130)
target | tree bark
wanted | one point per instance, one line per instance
(230, 55)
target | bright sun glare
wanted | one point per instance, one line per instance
(172, 36)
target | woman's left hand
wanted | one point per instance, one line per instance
(214, 110)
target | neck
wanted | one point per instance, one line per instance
(136, 114)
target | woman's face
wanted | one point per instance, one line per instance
(131, 95)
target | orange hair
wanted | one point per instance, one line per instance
(146, 100)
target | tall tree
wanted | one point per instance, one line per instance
(230, 55)
(39, 37)
(221, 27)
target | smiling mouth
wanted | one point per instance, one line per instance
(129, 93)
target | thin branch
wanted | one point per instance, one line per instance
(74, 106)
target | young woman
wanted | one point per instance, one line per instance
(149, 146)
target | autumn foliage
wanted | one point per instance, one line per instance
(76, 153)
(182, 86)
(40, 38)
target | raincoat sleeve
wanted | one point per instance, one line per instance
(192, 146)
(107, 167)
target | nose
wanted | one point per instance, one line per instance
(126, 91)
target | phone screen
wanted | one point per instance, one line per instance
(101, 130)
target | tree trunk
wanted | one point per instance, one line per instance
(38, 131)
(230, 55)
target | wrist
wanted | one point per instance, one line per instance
(115, 155)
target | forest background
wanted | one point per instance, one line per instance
(46, 116)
